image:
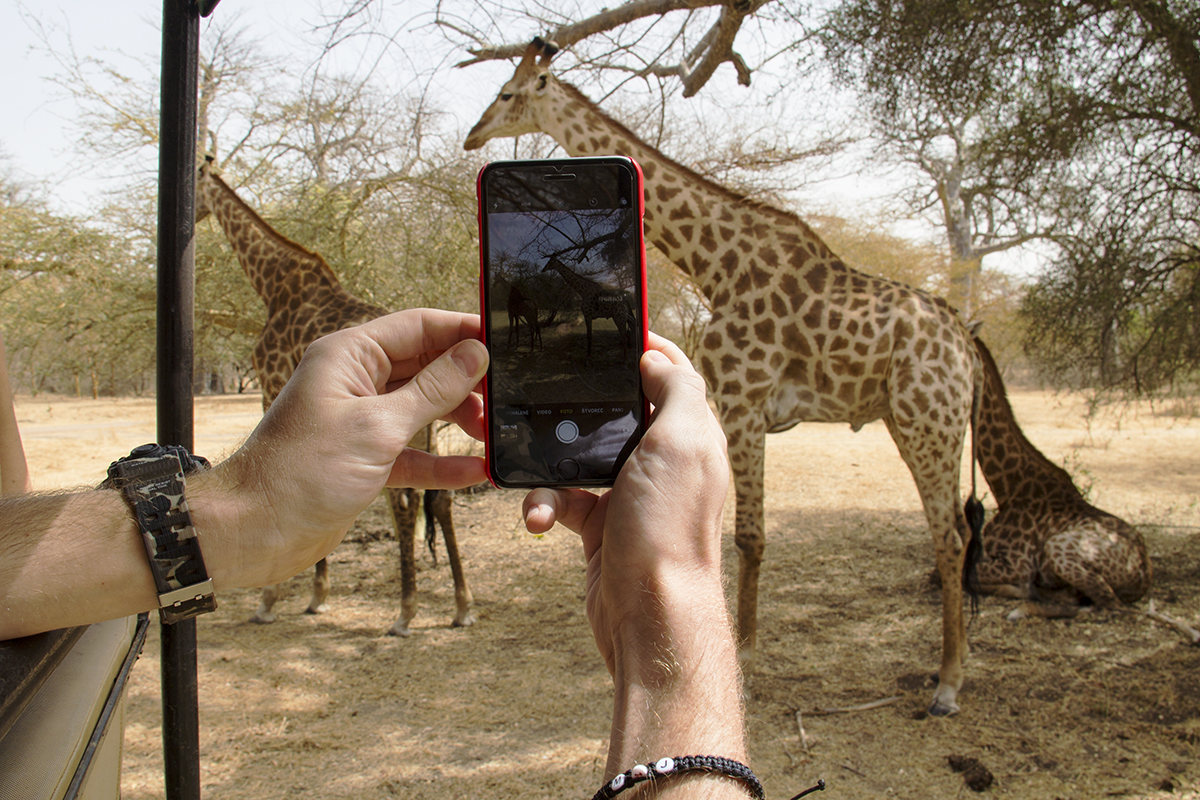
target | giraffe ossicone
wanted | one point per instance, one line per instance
(305, 300)
(795, 335)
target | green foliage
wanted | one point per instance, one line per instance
(1084, 126)
(78, 304)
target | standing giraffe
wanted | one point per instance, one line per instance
(795, 335)
(520, 308)
(597, 302)
(305, 300)
(1044, 534)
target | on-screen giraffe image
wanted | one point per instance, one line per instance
(597, 302)
(521, 308)
(795, 335)
(305, 300)
(1045, 536)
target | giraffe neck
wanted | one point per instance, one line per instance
(1015, 469)
(279, 269)
(580, 284)
(707, 230)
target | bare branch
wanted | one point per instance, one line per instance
(567, 35)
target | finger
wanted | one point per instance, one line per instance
(667, 373)
(416, 469)
(411, 336)
(569, 507)
(469, 417)
(441, 388)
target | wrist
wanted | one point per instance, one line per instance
(677, 680)
(222, 514)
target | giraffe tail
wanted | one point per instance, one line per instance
(430, 526)
(973, 509)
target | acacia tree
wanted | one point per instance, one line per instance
(940, 97)
(1084, 123)
(74, 300)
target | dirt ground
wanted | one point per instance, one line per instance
(1106, 705)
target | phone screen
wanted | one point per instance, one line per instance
(564, 309)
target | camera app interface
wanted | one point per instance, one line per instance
(564, 324)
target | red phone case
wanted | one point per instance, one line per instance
(483, 310)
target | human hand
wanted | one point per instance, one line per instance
(652, 542)
(337, 434)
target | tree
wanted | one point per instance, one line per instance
(75, 299)
(939, 98)
(1084, 124)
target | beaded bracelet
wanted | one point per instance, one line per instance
(674, 766)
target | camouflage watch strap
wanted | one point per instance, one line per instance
(151, 478)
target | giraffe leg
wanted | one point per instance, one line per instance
(264, 615)
(442, 502)
(404, 511)
(320, 589)
(936, 475)
(1071, 560)
(746, 457)
(951, 550)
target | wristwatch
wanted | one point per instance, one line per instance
(151, 479)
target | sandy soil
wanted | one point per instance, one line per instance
(1105, 705)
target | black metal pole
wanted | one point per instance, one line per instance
(176, 295)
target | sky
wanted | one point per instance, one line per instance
(35, 134)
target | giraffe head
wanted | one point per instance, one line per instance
(514, 111)
(202, 207)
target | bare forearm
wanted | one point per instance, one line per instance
(678, 693)
(69, 559)
(78, 558)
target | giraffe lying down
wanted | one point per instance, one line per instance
(1047, 544)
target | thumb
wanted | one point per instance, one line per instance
(442, 386)
(668, 378)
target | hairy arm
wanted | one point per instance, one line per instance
(655, 597)
(334, 437)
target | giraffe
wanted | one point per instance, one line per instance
(305, 300)
(520, 308)
(795, 335)
(1045, 536)
(597, 302)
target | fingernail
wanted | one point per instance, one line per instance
(471, 357)
(655, 355)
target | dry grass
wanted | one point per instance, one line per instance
(517, 706)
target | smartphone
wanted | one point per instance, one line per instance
(563, 298)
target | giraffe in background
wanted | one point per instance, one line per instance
(305, 300)
(597, 302)
(795, 335)
(1044, 535)
(520, 308)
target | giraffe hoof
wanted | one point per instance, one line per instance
(321, 609)
(463, 621)
(262, 618)
(400, 629)
(941, 708)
